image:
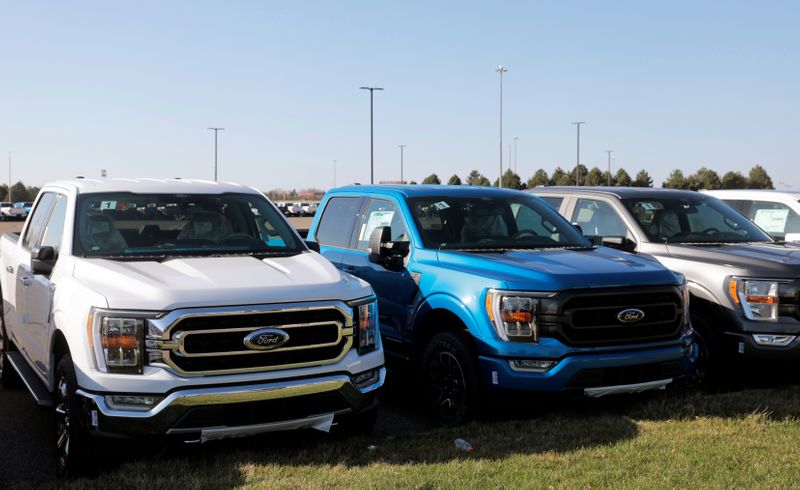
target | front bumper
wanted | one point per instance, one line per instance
(206, 413)
(597, 374)
(752, 346)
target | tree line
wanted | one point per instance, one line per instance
(704, 178)
(19, 192)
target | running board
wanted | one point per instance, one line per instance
(36, 388)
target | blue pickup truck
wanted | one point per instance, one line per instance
(483, 289)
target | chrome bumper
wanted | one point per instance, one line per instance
(103, 419)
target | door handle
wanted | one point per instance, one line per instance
(25, 280)
(9, 269)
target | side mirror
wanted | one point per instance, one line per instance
(43, 259)
(619, 242)
(313, 246)
(380, 236)
(578, 227)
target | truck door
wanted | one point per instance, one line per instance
(395, 289)
(39, 295)
(20, 268)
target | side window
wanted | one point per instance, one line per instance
(554, 202)
(775, 218)
(529, 220)
(381, 213)
(737, 204)
(598, 218)
(38, 219)
(54, 230)
(336, 224)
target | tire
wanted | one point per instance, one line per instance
(9, 378)
(361, 424)
(710, 364)
(72, 439)
(449, 377)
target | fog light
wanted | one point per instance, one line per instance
(773, 340)
(366, 378)
(532, 365)
(133, 402)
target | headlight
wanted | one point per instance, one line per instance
(513, 315)
(117, 340)
(759, 299)
(366, 323)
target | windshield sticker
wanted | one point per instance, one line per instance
(441, 205)
(771, 220)
(108, 204)
(651, 206)
(376, 219)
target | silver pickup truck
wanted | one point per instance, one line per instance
(745, 286)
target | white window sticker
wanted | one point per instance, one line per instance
(771, 220)
(441, 205)
(376, 219)
(108, 204)
(585, 215)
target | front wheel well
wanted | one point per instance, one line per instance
(60, 346)
(435, 321)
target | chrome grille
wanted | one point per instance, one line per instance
(211, 341)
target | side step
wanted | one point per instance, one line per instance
(38, 391)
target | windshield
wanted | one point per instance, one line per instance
(697, 219)
(492, 223)
(159, 226)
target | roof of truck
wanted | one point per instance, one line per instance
(426, 190)
(151, 185)
(620, 192)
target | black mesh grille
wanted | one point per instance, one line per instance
(590, 317)
(276, 319)
(625, 375)
(234, 341)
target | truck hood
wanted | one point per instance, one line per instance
(217, 281)
(762, 260)
(557, 270)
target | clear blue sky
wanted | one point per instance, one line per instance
(132, 86)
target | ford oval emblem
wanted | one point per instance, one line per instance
(630, 315)
(266, 339)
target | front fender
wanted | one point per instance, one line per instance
(71, 305)
(443, 301)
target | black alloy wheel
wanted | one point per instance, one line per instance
(450, 379)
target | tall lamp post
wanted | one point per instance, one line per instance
(402, 147)
(216, 130)
(501, 69)
(578, 158)
(609, 166)
(371, 135)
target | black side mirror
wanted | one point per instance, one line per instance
(619, 242)
(578, 227)
(380, 236)
(313, 246)
(43, 259)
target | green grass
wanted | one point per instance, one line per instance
(744, 439)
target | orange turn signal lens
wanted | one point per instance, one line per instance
(768, 300)
(733, 287)
(517, 316)
(121, 342)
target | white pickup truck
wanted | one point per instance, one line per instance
(182, 308)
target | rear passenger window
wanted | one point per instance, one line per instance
(336, 225)
(598, 218)
(37, 220)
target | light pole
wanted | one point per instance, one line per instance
(515, 154)
(609, 166)
(371, 136)
(501, 69)
(402, 147)
(216, 130)
(578, 158)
